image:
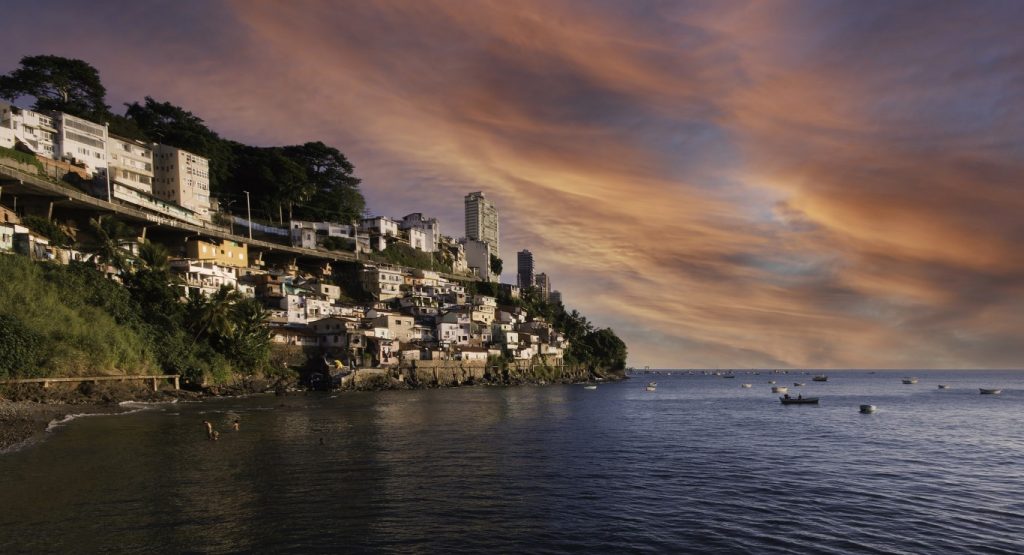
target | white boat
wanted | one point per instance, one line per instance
(780, 389)
(910, 381)
(652, 386)
(943, 386)
(798, 384)
(990, 391)
(868, 409)
(771, 382)
(746, 385)
(590, 386)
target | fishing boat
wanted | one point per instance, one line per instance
(798, 384)
(943, 386)
(746, 385)
(990, 391)
(821, 378)
(780, 389)
(652, 386)
(799, 400)
(868, 409)
(909, 381)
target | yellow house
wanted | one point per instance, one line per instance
(228, 253)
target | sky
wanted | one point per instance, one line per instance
(726, 184)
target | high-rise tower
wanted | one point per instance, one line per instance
(482, 220)
(524, 275)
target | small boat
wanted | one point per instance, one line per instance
(943, 386)
(746, 385)
(990, 391)
(867, 409)
(821, 378)
(652, 386)
(728, 376)
(909, 381)
(780, 389)
(771, 382)
(798, 384)
(799, 400)
(590, 386)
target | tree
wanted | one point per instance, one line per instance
(61, 84)
(109, 233)
(154, 256)
(336, 196)
(496, 265)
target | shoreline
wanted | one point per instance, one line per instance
(27, 413)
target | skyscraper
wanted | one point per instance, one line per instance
(544, 285)
(482, 221)
(524, 275)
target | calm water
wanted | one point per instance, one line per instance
(700, 465)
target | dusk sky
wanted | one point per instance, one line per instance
(726, 184)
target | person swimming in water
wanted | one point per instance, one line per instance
(210, 433)
(236, 424)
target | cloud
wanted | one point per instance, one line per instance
(808, 184)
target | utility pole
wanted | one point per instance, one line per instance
(107, 171)
(248, 211)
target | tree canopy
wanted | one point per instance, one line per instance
(56, 83)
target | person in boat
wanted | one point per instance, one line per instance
(786, 396)
(800, 396)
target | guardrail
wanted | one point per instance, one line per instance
(95, 379)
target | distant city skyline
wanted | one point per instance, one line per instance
(734, 185)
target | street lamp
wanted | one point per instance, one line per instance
(248, 211)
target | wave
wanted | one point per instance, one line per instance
(57, 423)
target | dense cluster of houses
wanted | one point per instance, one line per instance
(414, 315)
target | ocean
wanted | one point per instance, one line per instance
(701, 465)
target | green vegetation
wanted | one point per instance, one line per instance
(404, 255)
(70, 320)
(48, 229)
(67, 320)
(57, 83)
(339, 244)
(21, 157)
(496, 265)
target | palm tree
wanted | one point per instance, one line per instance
(154, 256)
(106, 247)
(213, 315)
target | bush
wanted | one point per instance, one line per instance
(20, 349)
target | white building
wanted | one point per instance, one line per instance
(428, 227)
(205, 277)
(381, 225)
(478, 256)
(309, 235)
(482, 221)
(131, 163)
(82, 142)
(35, 130)
(183, 178)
